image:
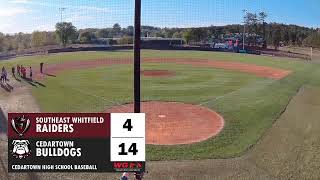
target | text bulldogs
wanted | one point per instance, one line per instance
(57, 148)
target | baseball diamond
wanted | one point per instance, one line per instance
(199, 105)
(159, 89)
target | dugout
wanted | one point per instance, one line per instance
(160, 43)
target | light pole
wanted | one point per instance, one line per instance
(61, 11)
(137, 47)
(311, 53)
(244, 28)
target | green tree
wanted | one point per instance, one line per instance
(177, 34)
(199, 34)
(187, 36)
(51, 38)
(130, 30)
(160, 34)
(276, 36)
(126, 40)
(116, 29)
(2, 42)
(23, 41)
(38, 39)
(262, 18)
(66, 32)
(252, 22)
(313, 40)
(104, 33)
(87, 37)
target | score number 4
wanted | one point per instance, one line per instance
(127, 125)
(133, 148)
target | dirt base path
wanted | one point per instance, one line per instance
(14, 97)
(260, 71)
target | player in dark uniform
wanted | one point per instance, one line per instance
(13, 71)
(41, 67)
(18, 70)
(30, 73)
(4, 75)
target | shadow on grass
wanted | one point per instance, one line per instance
(52, 75)
(29, 81)
(3, 122)
(33, 82)
(39, 83)
(9, 86)
(6, 87)
(15, 77)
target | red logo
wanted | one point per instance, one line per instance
(20, 125)
(127, 165)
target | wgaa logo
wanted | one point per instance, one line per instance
(126, 165)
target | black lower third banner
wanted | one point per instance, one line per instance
(75, 142)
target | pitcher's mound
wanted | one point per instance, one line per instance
(158, 73)
(170, 123)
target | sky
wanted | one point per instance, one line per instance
(42, 15)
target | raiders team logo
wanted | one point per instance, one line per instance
(21, 149)
(20, 125)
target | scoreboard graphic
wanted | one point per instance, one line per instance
(76, 142)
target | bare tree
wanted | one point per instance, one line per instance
(262, 18)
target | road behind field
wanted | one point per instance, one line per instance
(289, 150)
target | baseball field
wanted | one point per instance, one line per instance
(246, 93)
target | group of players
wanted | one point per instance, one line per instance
(21, 71)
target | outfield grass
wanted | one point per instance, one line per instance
(64, 57)
(249, 104)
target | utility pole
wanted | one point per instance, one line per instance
(61, 11)
(311, 53)
(244, 28)
(137, 47)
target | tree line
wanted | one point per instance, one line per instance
(257, 31)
